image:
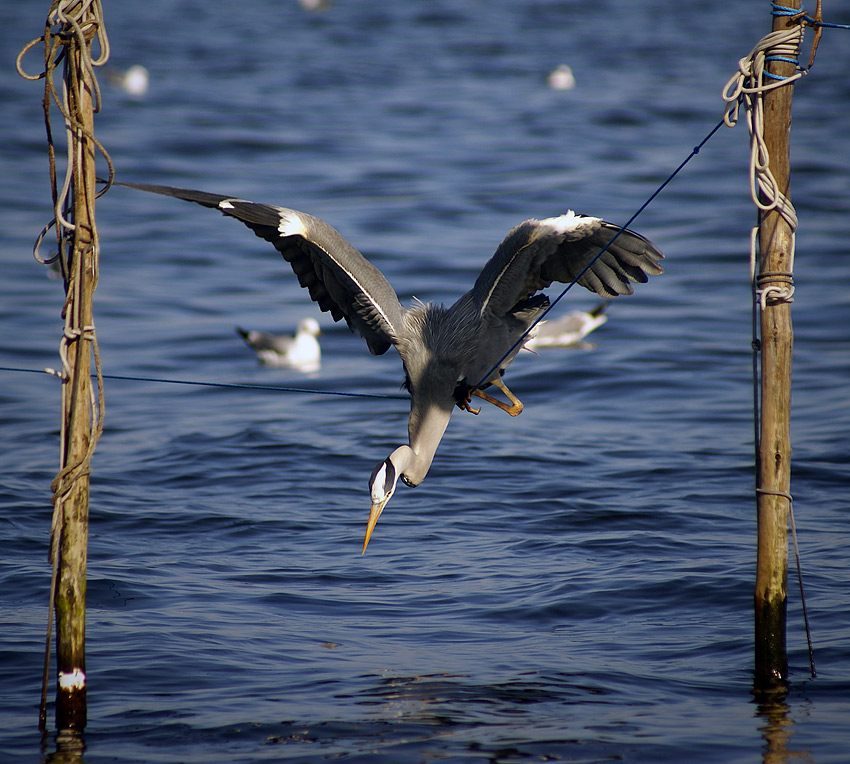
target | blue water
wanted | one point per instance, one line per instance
(574, 584)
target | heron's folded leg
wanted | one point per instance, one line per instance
(514, 410)
(466, 406)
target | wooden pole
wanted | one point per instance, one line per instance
(773, 461)
(79, 410)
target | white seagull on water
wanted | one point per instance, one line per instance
(569, 331)
(301, 352)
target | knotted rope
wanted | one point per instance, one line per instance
(747, 87)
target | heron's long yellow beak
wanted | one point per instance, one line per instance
(374, 514)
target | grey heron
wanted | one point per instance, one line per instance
(449, 354)
(301, 352)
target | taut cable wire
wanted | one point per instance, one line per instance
(227, 385)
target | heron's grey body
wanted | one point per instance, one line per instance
(448, 353)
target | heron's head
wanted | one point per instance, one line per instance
(382, 486)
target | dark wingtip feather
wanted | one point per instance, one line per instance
(186, 194)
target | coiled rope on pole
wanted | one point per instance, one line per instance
(84, 18)
(747, 87)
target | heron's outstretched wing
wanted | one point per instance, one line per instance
(337, 276)
(538, 252)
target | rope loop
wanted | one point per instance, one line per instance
(782, 494)
(770, 287)
(747, 88)
(69, 23)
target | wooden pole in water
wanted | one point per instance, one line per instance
(773, 465)
(79, 410)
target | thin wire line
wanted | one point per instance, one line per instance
(802, 592)
(236, 385)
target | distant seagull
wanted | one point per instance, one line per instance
(301, 352)
(568, 331)
(561, 78)
(134, 81)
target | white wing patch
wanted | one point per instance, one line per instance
(291, 223)
(566, 227)
(571, 226)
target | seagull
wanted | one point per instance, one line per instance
(449, 354)
(133, 81)
(561, 78)
(568, 331)
(301, 352)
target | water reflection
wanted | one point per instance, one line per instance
(777, 728)
(69, 748)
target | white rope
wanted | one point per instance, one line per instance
(748, 86)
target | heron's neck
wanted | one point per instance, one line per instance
(426, 431)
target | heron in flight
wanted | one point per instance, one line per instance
(449, 354)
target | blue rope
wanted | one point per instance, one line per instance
(236, 385)
(772, 76)
(786, 59)
(831, 26)
(781, 10)
(784, 10)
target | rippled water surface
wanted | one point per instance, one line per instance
(574, 584)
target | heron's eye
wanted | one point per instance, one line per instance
(382, 482)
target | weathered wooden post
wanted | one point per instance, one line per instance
(72, 26)
(773, 463)
(72, 483)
